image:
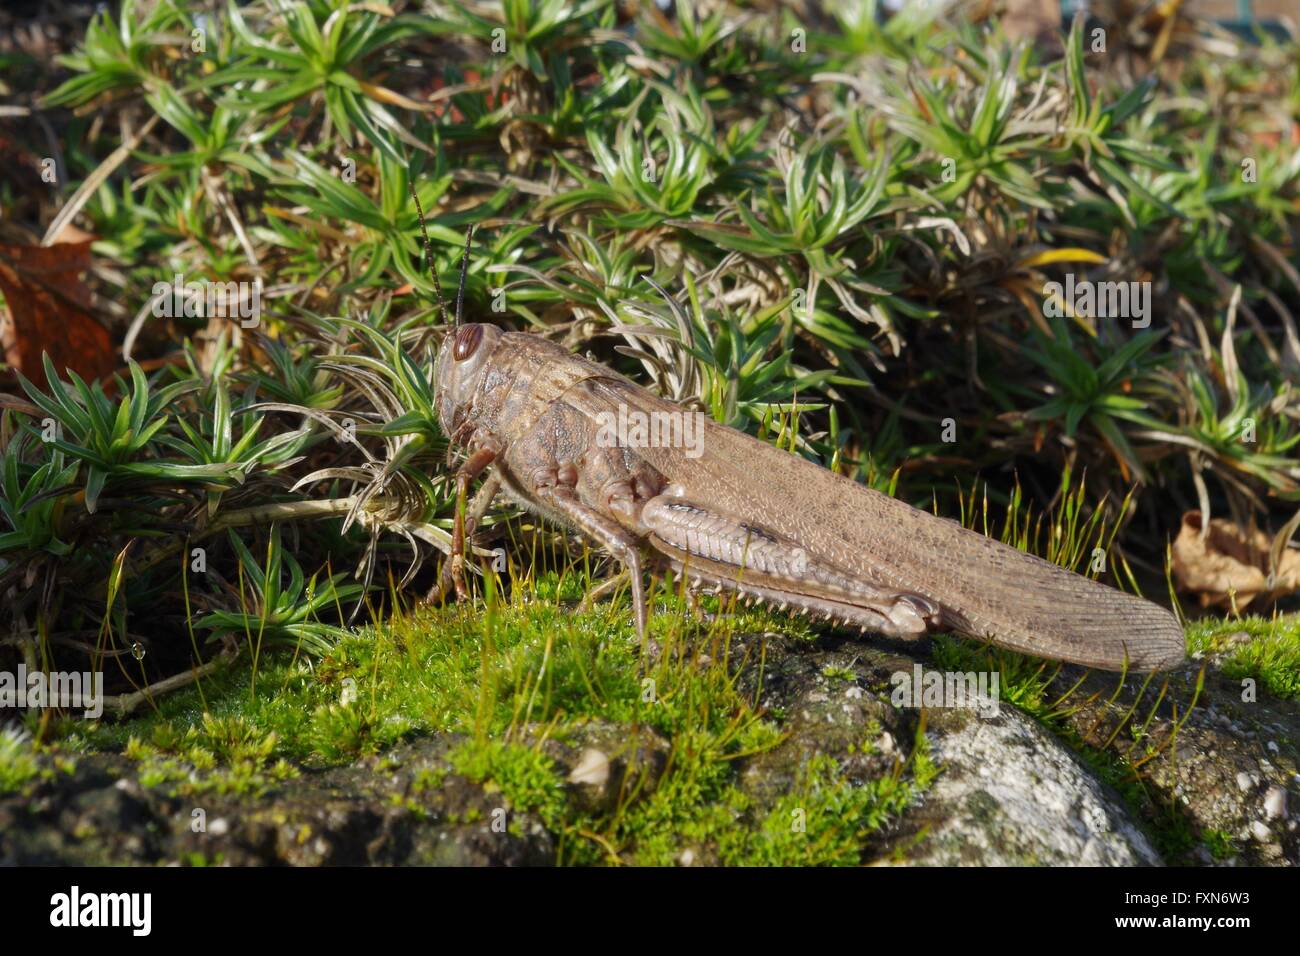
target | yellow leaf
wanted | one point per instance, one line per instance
(384, 95)
(1049, 256)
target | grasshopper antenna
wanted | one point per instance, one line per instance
(428, 255)
(464, 266)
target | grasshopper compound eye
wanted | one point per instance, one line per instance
(468, 338)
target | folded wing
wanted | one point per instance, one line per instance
(986, 589)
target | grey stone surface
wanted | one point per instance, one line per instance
(1011, 794)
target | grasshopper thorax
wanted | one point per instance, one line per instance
(457, 371)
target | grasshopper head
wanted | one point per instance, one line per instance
(456, 372)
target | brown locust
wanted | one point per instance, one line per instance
(731, 512)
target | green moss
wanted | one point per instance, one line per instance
(198, 859)
(824, 819)
(18, 763)
(224, 755)
(821, 821)
(1271, 657)
(507, 681)
(428, 780)
(1221, 845)
(527, 778)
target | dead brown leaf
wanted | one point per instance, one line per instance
(48, 310)
(1230, 566)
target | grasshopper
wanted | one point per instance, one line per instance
(744, 516)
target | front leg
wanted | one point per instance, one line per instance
(474, 466)
(473, 515)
